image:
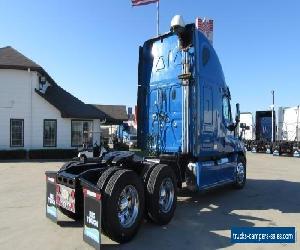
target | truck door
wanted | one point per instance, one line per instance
(207, 118)
(210, 170)
(226, 162)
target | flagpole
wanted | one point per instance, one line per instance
(157, 10)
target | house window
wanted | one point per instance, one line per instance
(16, 132)
(81, 133)
(50, 133)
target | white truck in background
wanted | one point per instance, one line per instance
(246, 129)
(288, 131)
(288, 124)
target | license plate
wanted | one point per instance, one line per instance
(65, 197)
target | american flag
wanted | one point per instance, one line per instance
(206, 26)
(142, 2)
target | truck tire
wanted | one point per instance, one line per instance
(240, 173)
(102, 182)
(145, 174)
(161, 196)
(123, 205)
(104, 178)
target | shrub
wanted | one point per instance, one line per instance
(119, 146)
(13, 154)
(52, 153)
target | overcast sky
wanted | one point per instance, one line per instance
(90, 47)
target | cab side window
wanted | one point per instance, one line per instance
(226, 109)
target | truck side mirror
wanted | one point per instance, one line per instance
(237, 113)
(231, 127)
(244, 126)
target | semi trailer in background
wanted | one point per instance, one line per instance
(263, 132)
(186, 125)
(288, 132)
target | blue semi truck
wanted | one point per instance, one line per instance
(186, 125)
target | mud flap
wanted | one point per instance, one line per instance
(51, 209)
(92, 215)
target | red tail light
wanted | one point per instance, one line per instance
(98, 196)
(57, 189)
(73, 194)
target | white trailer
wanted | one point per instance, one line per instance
(288, 131)
(247, 119)
(288, 124)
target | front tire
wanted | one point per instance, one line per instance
(161, 196)
(123, 205)
(240, 173)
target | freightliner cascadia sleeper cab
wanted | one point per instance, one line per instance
(184, 123)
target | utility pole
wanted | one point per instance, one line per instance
(157, 17)
(297, 126)
(273, 129)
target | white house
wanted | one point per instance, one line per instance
(36, 113)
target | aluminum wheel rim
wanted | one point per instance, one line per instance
(240, 173)
(166, 195)
(128, 206)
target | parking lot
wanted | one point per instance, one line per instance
(202, 221)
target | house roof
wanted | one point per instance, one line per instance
(66, 103)
(10, 58)
(115, 114)
(69, 105)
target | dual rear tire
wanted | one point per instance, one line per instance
(124, 195)
(161, 194)
(122, 205)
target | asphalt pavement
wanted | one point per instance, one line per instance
(271, 197)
